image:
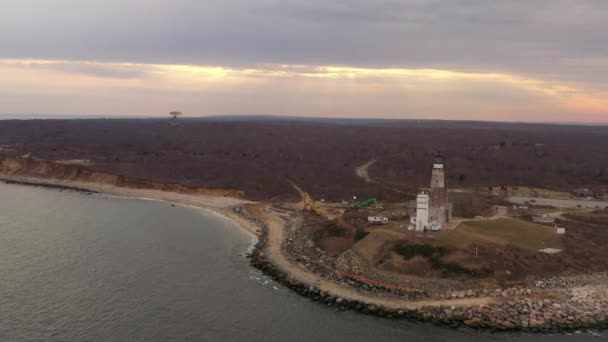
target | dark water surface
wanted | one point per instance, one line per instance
(97, 268)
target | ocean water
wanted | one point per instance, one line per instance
(77, 267)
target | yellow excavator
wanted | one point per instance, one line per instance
(327, 212)
(309, 203)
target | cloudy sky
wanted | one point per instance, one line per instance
(516, 60)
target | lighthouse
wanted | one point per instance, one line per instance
(432, 209)
(438, 194)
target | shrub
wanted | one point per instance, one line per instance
(409, 251)
(433, 255)
(360, 234)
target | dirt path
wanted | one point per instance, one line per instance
(453, 224)
(275, 239)
(362, 171)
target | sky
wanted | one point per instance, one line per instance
(516, 60)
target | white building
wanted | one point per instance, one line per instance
(422, 212)
(435, 227)
(560, 230)
(377, 219)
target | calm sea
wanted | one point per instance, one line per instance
(79, 267)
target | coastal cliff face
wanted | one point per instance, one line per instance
(38, 168)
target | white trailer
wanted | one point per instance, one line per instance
(377, 219)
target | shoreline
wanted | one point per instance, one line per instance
(267, 256)
(218, 208)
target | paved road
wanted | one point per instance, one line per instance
(559, 203)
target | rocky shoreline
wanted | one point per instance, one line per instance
(517, 309)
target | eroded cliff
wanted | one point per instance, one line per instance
(38, 168)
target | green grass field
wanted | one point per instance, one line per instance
(502, 231)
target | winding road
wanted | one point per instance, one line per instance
(362, 171)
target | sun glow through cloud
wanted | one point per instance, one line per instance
(336, 90)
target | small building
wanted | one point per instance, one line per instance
(501, 210)
(435, 227)
(377, 219)
(585, 193)
(601, 194)
(550, 250)
(559, 229)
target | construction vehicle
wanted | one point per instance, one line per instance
(309, 203)
(366, 203)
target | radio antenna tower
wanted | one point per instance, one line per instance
(174, 116)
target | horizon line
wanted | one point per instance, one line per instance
(30, 116)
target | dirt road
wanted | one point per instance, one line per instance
(362, 171)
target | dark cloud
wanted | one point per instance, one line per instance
(520, 36)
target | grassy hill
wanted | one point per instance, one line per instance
(504, 232)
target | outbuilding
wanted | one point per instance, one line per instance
(377, 219)
(585, 193)
(601, 194)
